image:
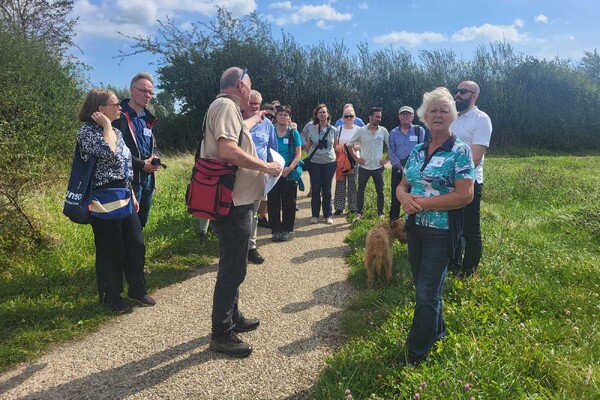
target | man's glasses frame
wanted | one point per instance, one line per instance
(463, 91)
(145, 91)
(348, 116)
(244, 71)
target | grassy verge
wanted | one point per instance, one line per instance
(49, 294)
(525, 328)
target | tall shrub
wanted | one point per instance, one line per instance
(38, 103)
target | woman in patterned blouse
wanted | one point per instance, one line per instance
(119, 243)
(438, 181)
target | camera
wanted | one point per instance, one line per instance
(322, 144)
(156, 161)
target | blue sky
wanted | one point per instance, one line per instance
(544, 29)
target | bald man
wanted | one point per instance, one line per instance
(473, 127)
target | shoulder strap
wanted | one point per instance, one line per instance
(418, 133)
(317, 146)
(202, 137)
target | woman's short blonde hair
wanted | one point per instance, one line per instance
(439, 94)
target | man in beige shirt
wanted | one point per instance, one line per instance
(224, 126)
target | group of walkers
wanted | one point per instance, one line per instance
(436, 178)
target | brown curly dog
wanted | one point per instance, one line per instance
(378, 248)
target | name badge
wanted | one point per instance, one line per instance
(147, 132)
(436, 161)
(286, 140)
(412, 138)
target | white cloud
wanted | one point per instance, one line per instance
(410, 38)
(363, 6)
(321, 14)
(139, 17)
(491, 32)
(286, 5)
(322, 24)
(541, 18)
(135, 12)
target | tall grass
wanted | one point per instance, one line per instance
(526, 327)
(49, 294)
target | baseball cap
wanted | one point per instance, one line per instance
(406, 108)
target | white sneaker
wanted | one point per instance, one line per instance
(314, 220)
(357, 217)
(329, 221)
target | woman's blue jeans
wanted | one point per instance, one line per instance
(428, 254)
(321, 179)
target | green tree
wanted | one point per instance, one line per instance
(590, 66)
(43, 19)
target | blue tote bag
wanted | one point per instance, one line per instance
(79, 189)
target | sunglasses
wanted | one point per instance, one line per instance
(463, 91)
(244, 71)
(348, 116)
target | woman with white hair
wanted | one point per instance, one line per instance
(436, 186)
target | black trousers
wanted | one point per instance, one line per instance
(282, 200)
(363, 178)
(234, 234)
(395, 204)
(119, 249)
(472, 232)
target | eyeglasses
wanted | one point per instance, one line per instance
(244, 70)
(148, 92)
(463, 91)
(348, 116)
(112, 104)
(270, 116)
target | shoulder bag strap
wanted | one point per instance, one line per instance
(202, 137)
(317, 146)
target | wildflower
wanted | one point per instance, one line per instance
(420, 388)
(424, 384)
(347, 392)
(417, 396)
(443, 382)
(467, 386)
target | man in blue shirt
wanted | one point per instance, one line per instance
(264, 137)
(136, 124)
(402, 140)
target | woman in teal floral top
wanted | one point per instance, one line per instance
(438, 177)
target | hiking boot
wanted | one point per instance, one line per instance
(144, 301)
(263, 222)
(285, 236)
(119, 306)
(244, 324)
(314, 220)
(329, 221)
(254, 257)
(231, 345)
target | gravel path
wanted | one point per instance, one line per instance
(162, 352)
